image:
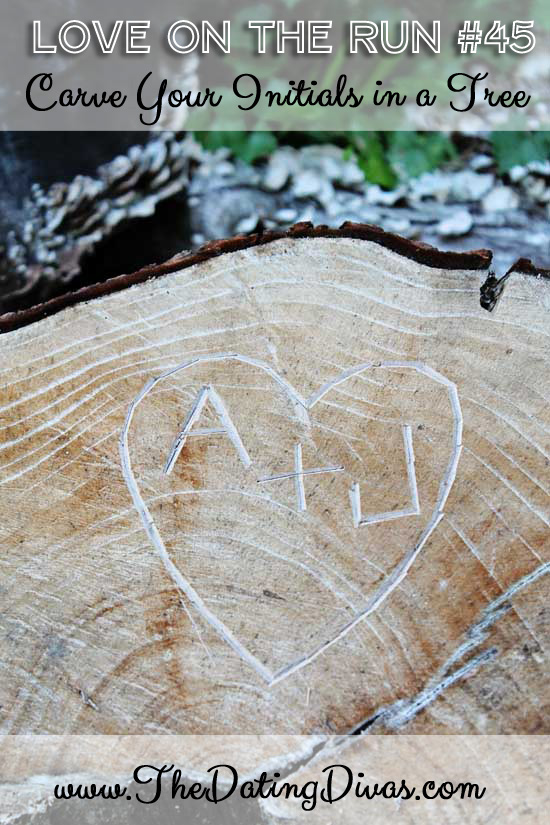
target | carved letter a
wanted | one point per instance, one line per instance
(227, 428)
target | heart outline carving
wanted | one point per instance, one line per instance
(302, 406)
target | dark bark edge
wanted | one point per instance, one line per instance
(491, 291)
(415, 250)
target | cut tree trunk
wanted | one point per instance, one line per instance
(283, 485)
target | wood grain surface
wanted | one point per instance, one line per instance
(295, 488)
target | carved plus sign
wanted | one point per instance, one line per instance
(298, 476)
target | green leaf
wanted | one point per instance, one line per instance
(519, 148)
(413, 153)
(258, 145)
(372, 160)
(246, 146)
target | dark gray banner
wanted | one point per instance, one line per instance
(280, 64)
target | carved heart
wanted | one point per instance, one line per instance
(313, 529)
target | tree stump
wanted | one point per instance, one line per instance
(287, 484)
